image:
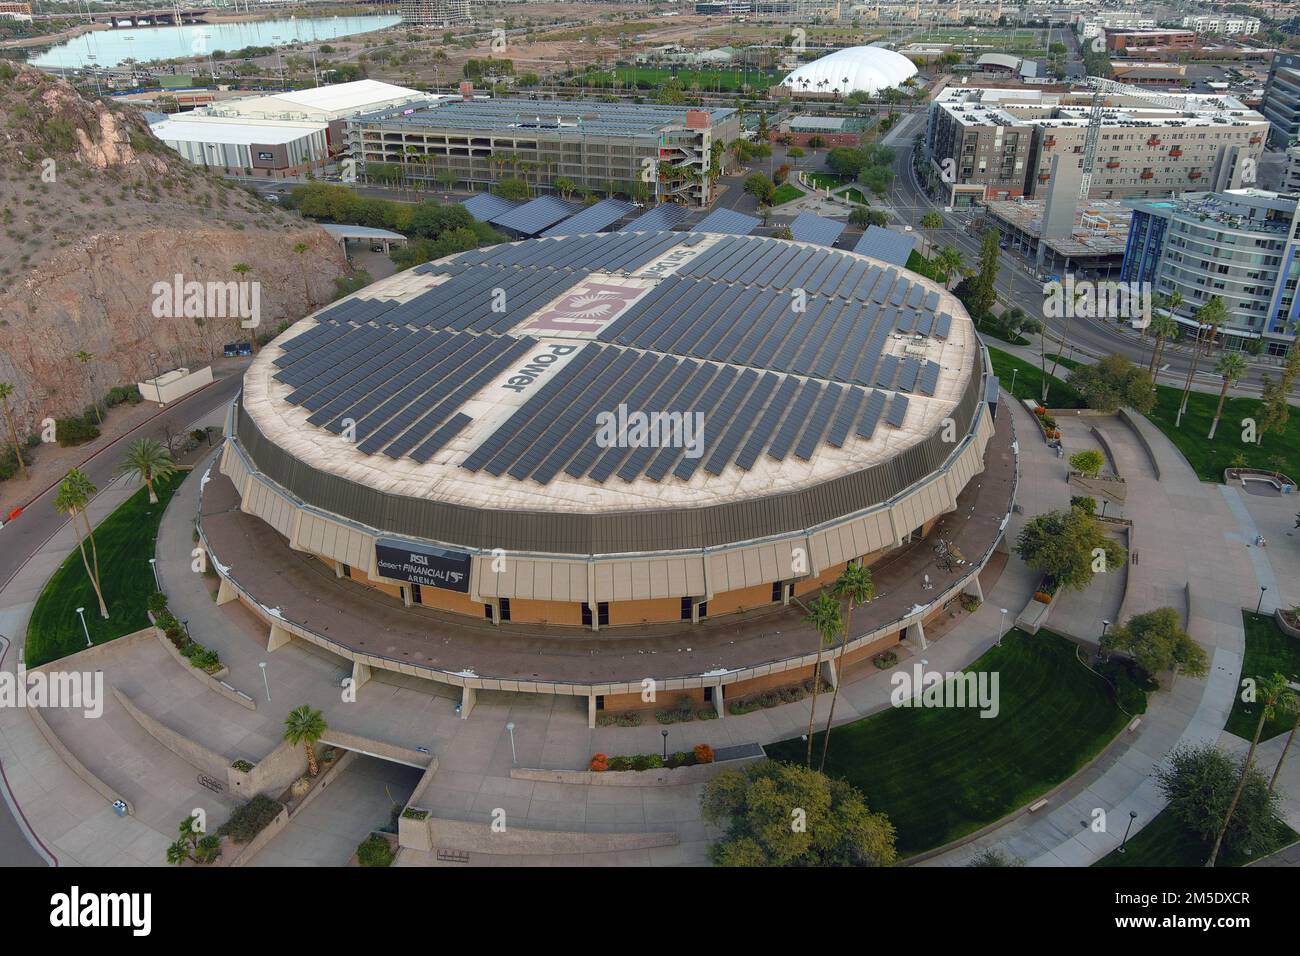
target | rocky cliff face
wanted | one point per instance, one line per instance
(97, 217)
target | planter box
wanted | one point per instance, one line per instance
(414, 834)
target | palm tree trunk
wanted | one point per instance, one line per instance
(94, 553)
(1155, 354)
(1241, 785)
(1061, 348)
(1191, 373)
(312, 767)
(153, 495)
(13, 435)
(92, 574)
(839, 679)
(1277, 771)
(1218, 412)
(812, 713)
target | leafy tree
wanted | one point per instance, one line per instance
(931, 222)
(760, 187)
(758, 807)
(1088, 462)
(1273, 694)
(855, 587)
(825, 617)
(306, 726)
(513, 189)
(75, 491)
(1112, 382)
(6, 392)
(1275, 408)
(984, 292)
(147, 460)
(1157, 642)
(1067, 545)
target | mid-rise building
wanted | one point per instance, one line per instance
(16, 11)
(1118, 41)
(1291, 174)
(1238, 244)
(988, 144)
(651, 151)
(1225, 24)
(1282, 98)
(434, 13)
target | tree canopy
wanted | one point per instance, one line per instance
(1199, 783)
(1156, 641)
(1069, 547)
(1112, 382)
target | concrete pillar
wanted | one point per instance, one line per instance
(591, 711)
(406, 596)
(226, 593)
(828, 672)
(360, 674)
(719, 701)
(973, 587)
(278, 638)
(467, 698)
(338, 569)
(916, 632)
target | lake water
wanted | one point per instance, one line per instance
(112, 47)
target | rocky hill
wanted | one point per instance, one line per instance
(94, 212)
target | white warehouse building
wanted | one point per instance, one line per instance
(240, 146)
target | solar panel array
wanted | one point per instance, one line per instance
(594, 218)
(885, 245)
(662, 217)
(726, 221)
(808, 227)
(536, 216)
(485, 207)
(778, 349)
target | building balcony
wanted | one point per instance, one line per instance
(1195, 174)
(1154, 141)
(1113, 164)
(1175, 152)
(1147, 174)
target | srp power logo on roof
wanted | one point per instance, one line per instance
(588, 308)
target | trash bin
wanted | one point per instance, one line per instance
(119, 807)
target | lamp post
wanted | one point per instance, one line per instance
(153, 565)
(514, 756)
(265, 683)
(1260, 604)
(1104, 624)
(1132, 815)
(1002, 629)
(1014, 372)
(665, 736)
(186, 625)
(81, 613)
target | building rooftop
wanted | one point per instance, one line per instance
(341, 98)
(1037, 107)
(581, 117)
(1100, 226)
(232, 133)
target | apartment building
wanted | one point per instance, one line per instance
(656, 152)
(1118, 41)
(1282, 98)
(1237, 244)
(1225, 24)
(990, 144)
(434, 13)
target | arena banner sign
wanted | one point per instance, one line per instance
(424, 565)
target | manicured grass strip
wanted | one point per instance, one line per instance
(785, 192)
(1029, 381)
(854, 194)
(1164, 842)
(1268, 652)
(125, 541)
(827, 180)
(940, 773)
(1210, 458)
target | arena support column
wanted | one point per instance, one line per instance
(916, 632)
(468, 696)
(591, 711)
(973, 588)
(226, 593)
(278, 638)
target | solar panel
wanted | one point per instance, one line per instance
(808, 227)
(662, 217)
(897, 410)
(888, 370)
(535, 216)
(870, 415)
(929, 377)
(719, 424)
(485, 207)
(740, 423)
(795, 421)
(943, 325)
(845, 416)
(659, 401)
(592, 219)
(911, 369)
(886, 245)
(818, 421)
(726, 221)
(767, 423)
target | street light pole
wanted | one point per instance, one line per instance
(81, 613)
(1003, 629)
(1260, 604)
(514, 756)
(1132, 815)
(153, 564)
(665, 735)
(265, 683)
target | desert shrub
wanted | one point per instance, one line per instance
(970, 603)
(885, 660)
(375, 850)
(9, 462)
(703, 753)
(706, 713)
(242, 765)
(250, 819)
(599, 763)
(157, 602)
(74, 431)
(1086, 502)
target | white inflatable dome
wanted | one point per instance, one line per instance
(866, 68)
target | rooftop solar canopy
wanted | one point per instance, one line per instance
(726, 221)
(886, 245)
(485, 207)
(592, 219)
(662, 217)
(808, 227)
(578, 118)
(717, 334)
(534, 217)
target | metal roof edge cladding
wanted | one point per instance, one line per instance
(634, 531)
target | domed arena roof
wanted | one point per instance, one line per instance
(869, 69)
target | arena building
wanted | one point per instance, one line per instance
(570, 465)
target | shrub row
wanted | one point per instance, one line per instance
(700, 753)
(204, 658)
(773, 698)
(251, 819)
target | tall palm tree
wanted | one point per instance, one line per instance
(930, 223)
(1293, 703)
(856, 587)
(951, 264)
(1208, 317)
(242, 269)
(824, 616)
(1270, 694)
(85, 358)
(6, 390)
(1163, 328)
(75, 492)
(1065, 335)
(147, 460)
(306, 726)
(1231, 367)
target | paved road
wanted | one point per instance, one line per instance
(23, 537)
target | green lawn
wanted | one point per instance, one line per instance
(125, 542)
(1029, 381)
(1209, 459)
(649, 78)
(785, 192)
(1163, 842)
(1268, 652)
(940, 773)
(854, 194)
(827, 180)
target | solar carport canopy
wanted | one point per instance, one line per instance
(717, 336)
(534, 217)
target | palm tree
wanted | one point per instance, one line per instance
(931, 222)
(1270, 694)
(1065, 335)
(1293, 703)
(1231, 367)
(75, 492)
(824, 616)
(242, 269)
(1209, 316)
(6, 390)
(300, 249)
(147, 460)
(1163, 327)
(85, 358)
(855, 585)
(949, 262)
(305, 726)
